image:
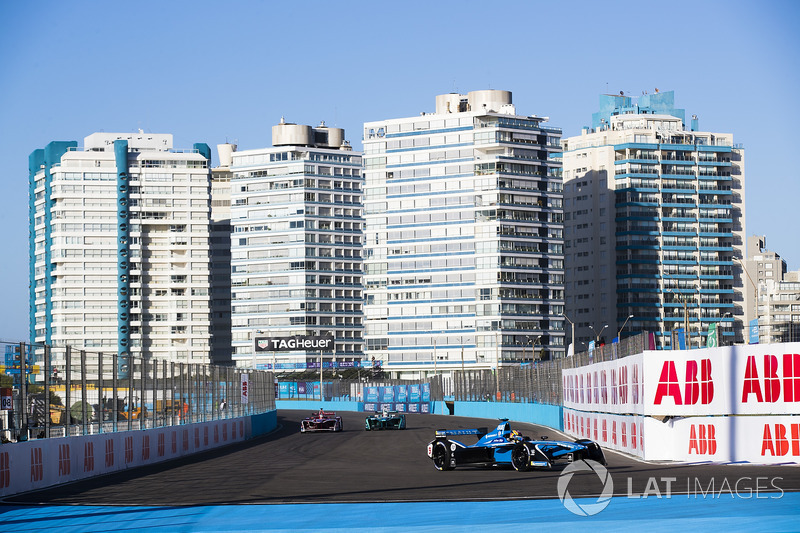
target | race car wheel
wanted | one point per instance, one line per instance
(521, 458)
(441, 456)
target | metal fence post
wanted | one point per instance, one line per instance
(129, 407)
(23, 391)
(114, 392)
(101, 395)
(84, 404)
(143, 397)
(46, 391)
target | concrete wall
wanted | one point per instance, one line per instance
(42, 463)
(546, 415)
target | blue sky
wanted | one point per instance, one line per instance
(228, 71)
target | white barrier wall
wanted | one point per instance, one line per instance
(38, 464)
(733, 403)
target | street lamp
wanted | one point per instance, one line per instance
(573, 331)
(685, 317)
(435, 370)
(619, 334)
(755, 288)
(533, 348)
(719, 326)
(598, 334)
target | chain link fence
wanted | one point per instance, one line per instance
(539, 382)
(58, 391)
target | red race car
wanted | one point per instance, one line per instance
(321, 421)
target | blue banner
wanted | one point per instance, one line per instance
(754, 331)
(370, 394)
(388, 394)
(414, 393)
(402, 393)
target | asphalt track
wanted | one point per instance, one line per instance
(357, 466)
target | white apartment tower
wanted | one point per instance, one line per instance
(297, 233)
(760, 266)
(119, 246)
(464, 258)
(654, 225)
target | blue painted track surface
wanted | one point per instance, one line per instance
(768, 512)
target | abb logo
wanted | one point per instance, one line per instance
(769, 388)
(694, 389)
(622, 386)
(776, 443)
(88, 457)
(174, 442)
(109, 453)
(702, 439)
(185, 440)
(225, 432)
(205, 436)
(64, 460)
(145, 447)
(5, 470)
(216, 434)
(196, 438)
(37, 467)
(128, 450)
(161, 445)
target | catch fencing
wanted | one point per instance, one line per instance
(538, 382)
(59, 391)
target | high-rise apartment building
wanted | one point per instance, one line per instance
(779, 309)
(760, 266)
(297, 235)
(463, 212)
(654, 224)
(119, 246)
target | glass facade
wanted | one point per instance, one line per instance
(676, 196)
(296, 253)
(464, 245)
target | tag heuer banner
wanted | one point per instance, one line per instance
(297, 343)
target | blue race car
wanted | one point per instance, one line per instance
(505, 446)
(386, 419)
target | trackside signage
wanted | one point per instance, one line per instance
(611, 387)
(296, 343)
(750, 379)
(732, 403)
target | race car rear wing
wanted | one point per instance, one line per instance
(450, 432)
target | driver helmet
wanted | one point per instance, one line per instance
(515, 435)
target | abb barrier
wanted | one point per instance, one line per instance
(733, 403)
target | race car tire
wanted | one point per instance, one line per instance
(521, 457)
(441, 456)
